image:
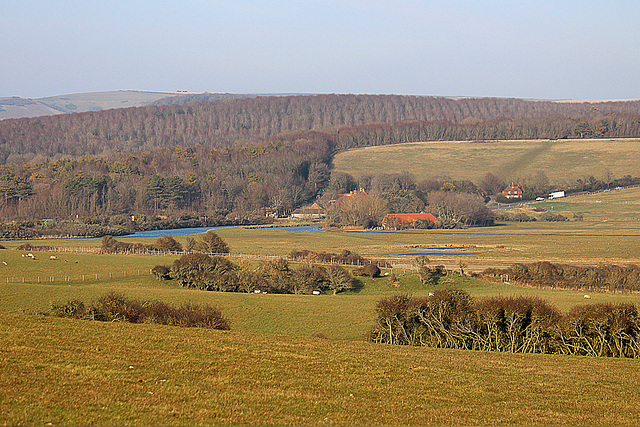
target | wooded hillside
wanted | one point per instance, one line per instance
(249, 156)
(237, 120)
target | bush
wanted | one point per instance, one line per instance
(111, 245)
(451, 319)
(210, 242)
(161, 272)
(168, 244)
(344, 257)
(431, 275)
(551, 217)
(397, 321)
(115, 307)
(73, 309)
(309, 277)
(201, 271)
(565, 276)
(369, 270)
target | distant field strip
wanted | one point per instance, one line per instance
(563, 161)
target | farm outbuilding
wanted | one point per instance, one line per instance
(315, 211)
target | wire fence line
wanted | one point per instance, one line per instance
(72, 278)
(381, 263)
(120, 274)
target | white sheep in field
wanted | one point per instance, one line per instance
(587, 297)
(53, 257)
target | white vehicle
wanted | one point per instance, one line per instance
(556, 195)
(539, 199)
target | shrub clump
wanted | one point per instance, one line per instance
(344, 257)
(116, 307)
(217, 273)
(369, 270)
(611, 278)
(452, 319)
(30, 247)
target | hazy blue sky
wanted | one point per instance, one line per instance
(580, 49)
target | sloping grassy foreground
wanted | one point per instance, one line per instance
(71, 372)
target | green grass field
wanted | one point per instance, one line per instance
(563, 161)
(273, 367)
(69, 372)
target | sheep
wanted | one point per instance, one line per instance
(587, 297)
(53, 257)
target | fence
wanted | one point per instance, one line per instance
(381, 263)
(75, 278)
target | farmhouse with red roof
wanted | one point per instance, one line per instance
(512, 192)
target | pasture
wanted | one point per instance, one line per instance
(304, 359)
(563, 161)
(70, 372)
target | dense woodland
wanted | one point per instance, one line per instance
(241, 159)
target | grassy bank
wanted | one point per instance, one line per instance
(69, 372)
(563, 161)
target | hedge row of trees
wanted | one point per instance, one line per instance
(610, 278)
(216, 273)
(452, 319)
(116, 307)
(208, 242)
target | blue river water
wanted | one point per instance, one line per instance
(433, 251)
(173, 232)
(439, 253)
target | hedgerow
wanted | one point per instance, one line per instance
(116, 307)
(611, 278)
(452, 319)
(217, 273)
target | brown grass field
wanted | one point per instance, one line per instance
(68, 372)
(302, 359)
(563, 161)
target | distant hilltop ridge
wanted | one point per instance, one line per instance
(16, 107)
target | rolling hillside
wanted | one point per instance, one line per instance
(16, 107)
(563, 161)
